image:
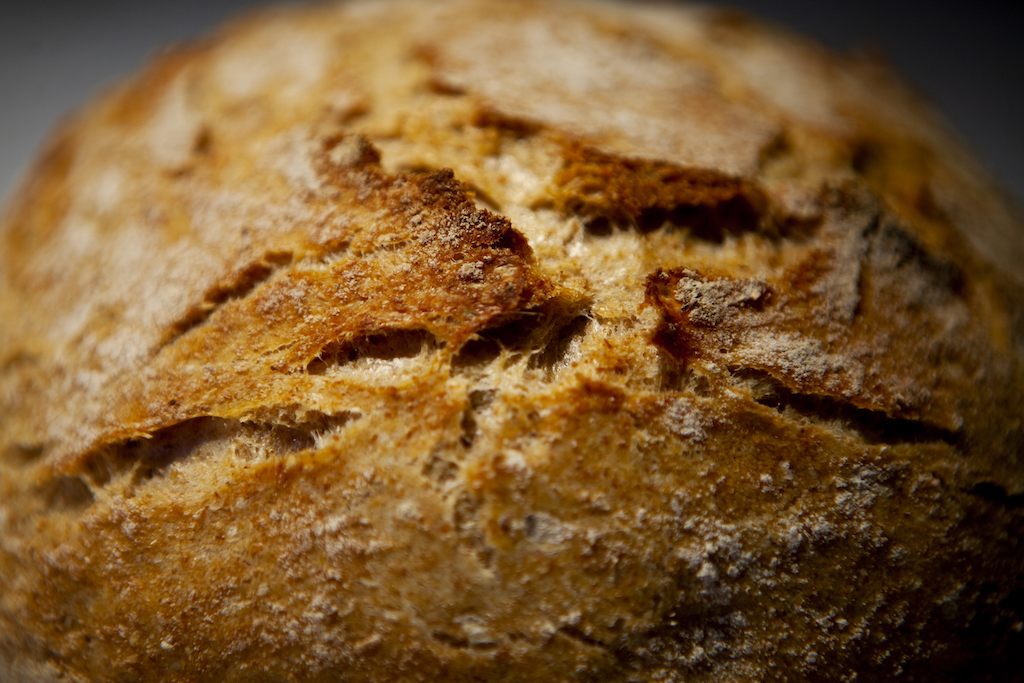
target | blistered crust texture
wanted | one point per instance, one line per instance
(518, 341)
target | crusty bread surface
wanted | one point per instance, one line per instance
(510, 341)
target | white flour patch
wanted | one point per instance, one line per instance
(175, 126)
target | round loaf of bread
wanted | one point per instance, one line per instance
(510, 341)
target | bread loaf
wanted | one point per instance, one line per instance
(510, 341)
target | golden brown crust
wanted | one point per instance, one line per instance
(509, 341)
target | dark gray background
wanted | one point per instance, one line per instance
(967, 57)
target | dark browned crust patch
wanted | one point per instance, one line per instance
(638, 192)
(692, 303)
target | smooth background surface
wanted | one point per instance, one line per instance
(967, 57)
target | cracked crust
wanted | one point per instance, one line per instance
(466, 340)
